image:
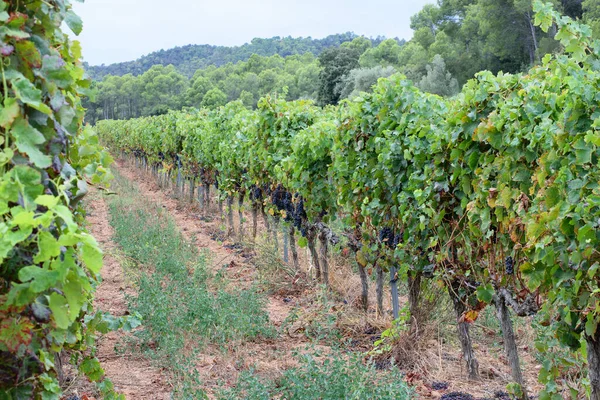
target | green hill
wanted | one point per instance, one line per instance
(188, 59)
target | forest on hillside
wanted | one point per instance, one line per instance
(453, 40)
(190, 58)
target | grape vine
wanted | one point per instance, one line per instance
(49, 264)
(494, 192)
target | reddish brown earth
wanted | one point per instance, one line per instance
(132, 374)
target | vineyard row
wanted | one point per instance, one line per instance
(495, 192)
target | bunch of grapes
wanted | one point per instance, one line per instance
(278, 198)
(282, 199)
(386, 236)
(288, 206)
(255, 193)
(299, 215)
(509, 263)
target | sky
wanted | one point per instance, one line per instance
(123, 30)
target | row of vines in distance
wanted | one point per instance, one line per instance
(495, 192)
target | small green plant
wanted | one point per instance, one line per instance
(389, 336)
(560, 368)
(337, 377)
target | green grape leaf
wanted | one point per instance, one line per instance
(92, 369)
(485, 293)
(92, 256)
(583, 152)
(41, 278)
(553, 197)
(27, 92)
(9, 112)
(27, 139)
(74, 22)
(75, 297)
(22, 218)
(591, 325)
(49, 247)
(60, 311)
(5, 31)
(54, 69)
(66, 215)
(29, 53)
(47, 201)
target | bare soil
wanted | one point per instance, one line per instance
(132, 374)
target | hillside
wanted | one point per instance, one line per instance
(188, 59)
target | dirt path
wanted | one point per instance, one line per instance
(132, 375)
(201, 233)
(268, 357)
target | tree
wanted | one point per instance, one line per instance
(386, 53)
(336, 63)
(247, 99)
(360, 44)
(412, 60)
(214, 98)
(438, 80)
(361, 80)
(591, 15)
(573, 8)
(196, 92)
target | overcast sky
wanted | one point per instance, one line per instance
(123, 30)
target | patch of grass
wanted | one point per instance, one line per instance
(180, 313)
(334, 378)
(318, 319)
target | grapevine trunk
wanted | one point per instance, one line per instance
(510, 344)
(462, 328)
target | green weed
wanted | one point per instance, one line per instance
(333, 378)
(180, 313)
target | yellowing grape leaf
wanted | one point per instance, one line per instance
(470, 316)
(14, 332)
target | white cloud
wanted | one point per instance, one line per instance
(123, 30)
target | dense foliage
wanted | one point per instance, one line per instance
(188, 59)
(49, 264)
(452, 41)
(495, 191)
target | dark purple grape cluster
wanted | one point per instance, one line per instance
(509, 263)
(439, 385)
(388, 237)
(282, 199)
(457, 396)
(300, 215)
(277, 197)
(289, 208)
(386, 234)
(255, 193)
(397, 240)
